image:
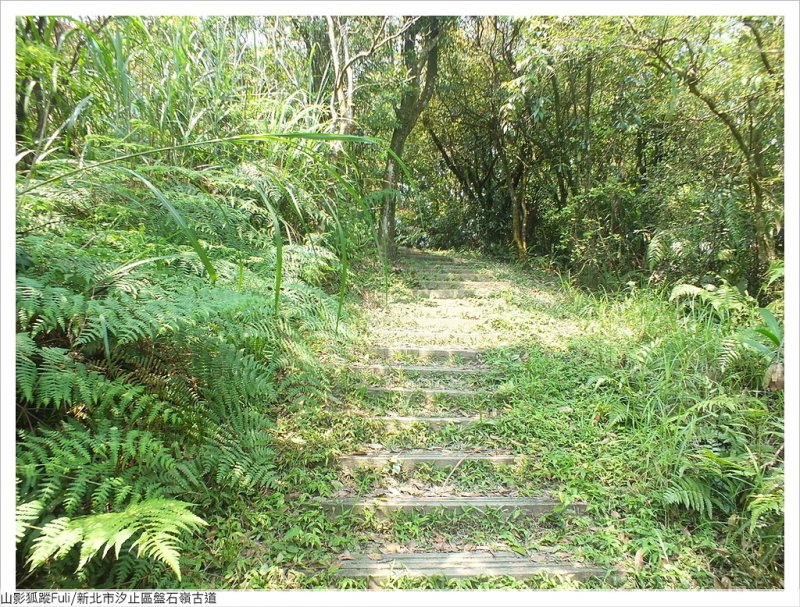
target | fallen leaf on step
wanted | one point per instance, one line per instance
(346, 556)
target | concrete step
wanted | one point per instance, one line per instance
(404, 308)
(379, 369)
(506, 506)
(438, 260)
(408, 460)
(467, 275)
(412, 254)
(443, 268)
(428, 337)
(428, 393)
(440, 353)
(448, 293)
(437, 324)
(459, 284)
(433, 422)
(379, 568)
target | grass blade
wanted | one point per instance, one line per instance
(182, 224)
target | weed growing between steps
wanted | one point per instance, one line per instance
(618, 402)
(602, 415)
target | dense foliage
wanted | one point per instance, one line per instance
(193, 194)
(648, 145)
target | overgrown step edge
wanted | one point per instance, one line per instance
(408, 460)
(428, 393)
(421, 369)
(506, 506)
(433, 422)
(468, 564)
(426, 352)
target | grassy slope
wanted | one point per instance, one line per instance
(632, 371)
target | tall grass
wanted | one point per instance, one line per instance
(182, 159)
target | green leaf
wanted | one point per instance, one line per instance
(758, 346)
(181, 222)
(775, 330)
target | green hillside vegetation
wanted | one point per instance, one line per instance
(209, 212)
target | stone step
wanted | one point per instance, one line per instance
(416, 254)
(379, 568)
(448, 293)
(405, 311)
(458, 284)
(436, 323)
(433, 422)
(428, 393)
(380, 369)
(428, 337)
(427, 352)
(408, 460)
(433, 257)
(441, 266)
(385, 506)
(468, 275)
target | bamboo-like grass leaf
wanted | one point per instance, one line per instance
(278, 242)
(181, 222)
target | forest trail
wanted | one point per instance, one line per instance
(428, 367)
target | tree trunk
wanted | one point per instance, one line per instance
(587, 126)
(420, 58)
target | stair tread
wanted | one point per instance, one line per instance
(426, 351)
(422, 368)
(430, 391)
(409, 459)
(431, 420)
(486, 501)
(429, 348)
(458, 284)
(448, 293)
(462, 565)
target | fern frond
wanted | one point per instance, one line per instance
(158, 523)
(25, 515)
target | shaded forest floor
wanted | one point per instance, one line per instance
(601, 394)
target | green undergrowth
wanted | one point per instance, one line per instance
(620, 401)
(641, 407)
(150, 379)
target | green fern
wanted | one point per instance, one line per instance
(25, 515)
(153, 525)
(690, 493)
(766, 506)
